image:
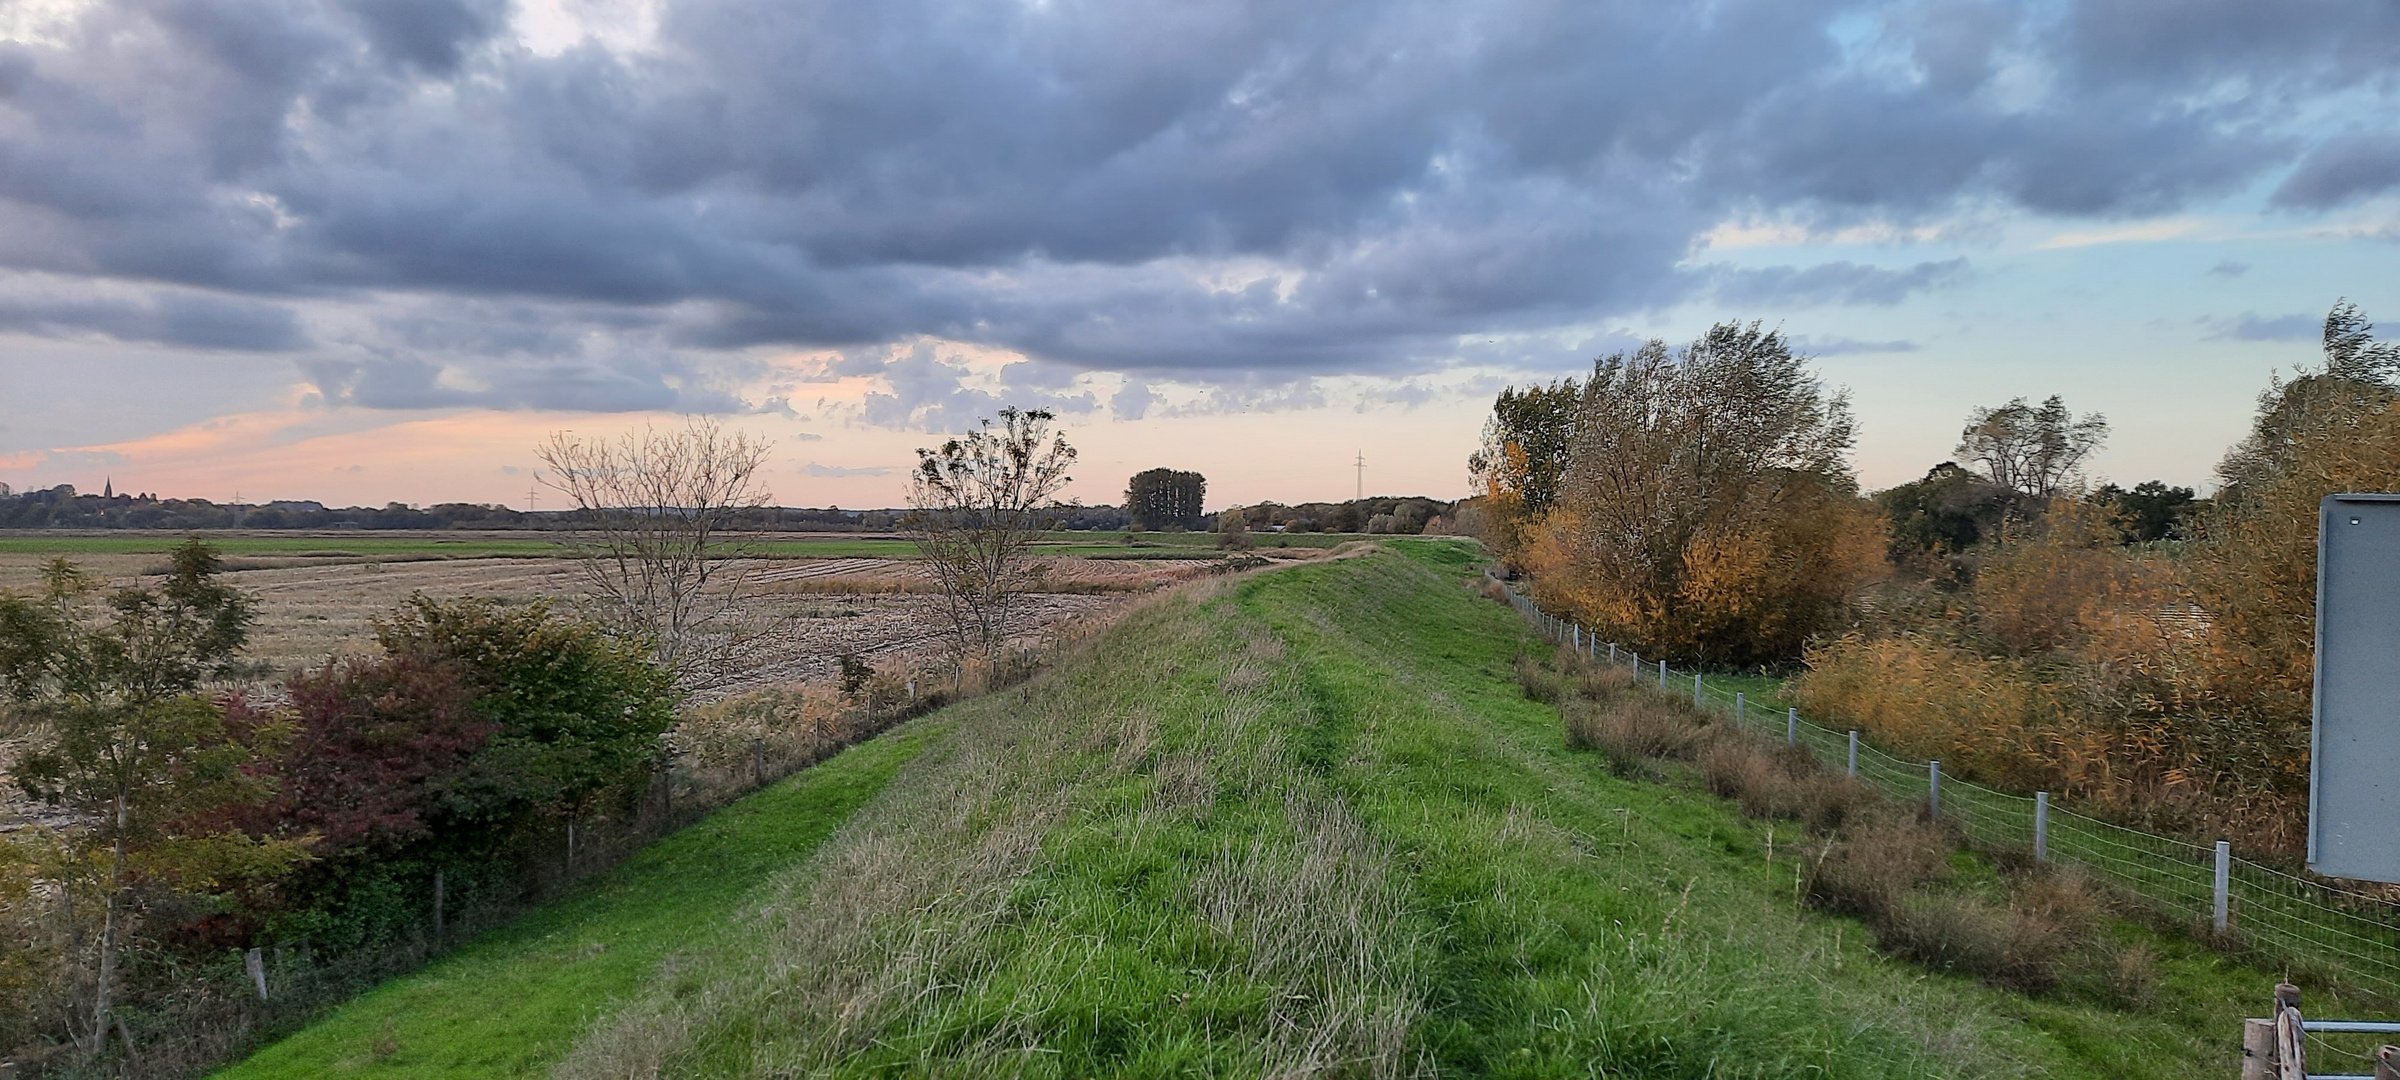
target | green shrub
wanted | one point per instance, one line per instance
(578, 712)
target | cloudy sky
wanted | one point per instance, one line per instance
(373, 250)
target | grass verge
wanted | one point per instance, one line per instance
(512, 1002)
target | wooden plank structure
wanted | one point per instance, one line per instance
(2276, 1047)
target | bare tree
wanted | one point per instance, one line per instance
(977, 504)
(653, 512)
(2034, 450)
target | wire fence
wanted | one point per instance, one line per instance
(2316, 927)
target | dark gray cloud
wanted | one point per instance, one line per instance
(432, 35)
(2250, 326)
(169, 318)
(1250, 193)
(2344, 169)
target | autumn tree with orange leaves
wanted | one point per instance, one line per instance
(1706, 510)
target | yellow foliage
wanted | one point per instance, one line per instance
(2077, 666)
(1748, 587)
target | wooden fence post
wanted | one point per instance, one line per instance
(256, 963)
(2258, 1049)
(2291, 1044)
(2387, 1063)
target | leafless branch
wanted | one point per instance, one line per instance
(652, 511)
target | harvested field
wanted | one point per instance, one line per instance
(812, 610)
(318, 602)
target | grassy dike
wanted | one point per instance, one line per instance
(1302, 821)
(1306, 822)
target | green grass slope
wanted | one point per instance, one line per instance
(1305, 822)
(512, 1002)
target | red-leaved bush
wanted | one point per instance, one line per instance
(372, 742)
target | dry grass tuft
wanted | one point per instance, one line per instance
(1875, 862)
(2126, 975)
(1540, 681)
(2047, 919)
(1771, 780)
(1634, 731)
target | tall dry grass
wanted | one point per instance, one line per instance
(1864, 856)
(2077, 666)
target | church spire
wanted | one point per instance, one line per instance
(108, 488)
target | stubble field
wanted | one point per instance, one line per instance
(822, 597)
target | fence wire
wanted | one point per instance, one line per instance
(2316, 926)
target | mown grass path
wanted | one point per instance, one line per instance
(513, 1001)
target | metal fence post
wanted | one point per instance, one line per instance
(2041, 826)
(1791, 726)
(1741, 707)
(1612, 652)
(1578, 637)
(1934, 788)
(1854, 751)
(1662, 674)
(2221, 912)
(1697, 703)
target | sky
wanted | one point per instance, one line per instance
(367, 251)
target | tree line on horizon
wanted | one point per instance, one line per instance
(63, 507)
(2142, 650)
